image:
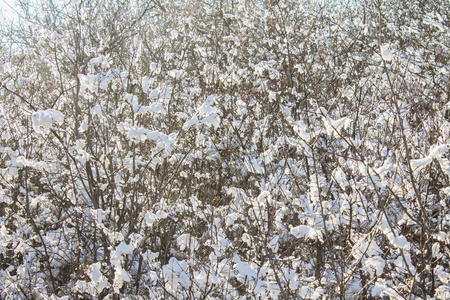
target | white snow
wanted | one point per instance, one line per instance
(206, 114)
(176, 74)
(302, 130)
(400, 242)
(442, 274)
(10, 86)
(206, 108)
(145, 82)
(435, 152)
(154, 93)
(429, 20)
(98, 281)
(231, 218)
(184, 280)
(104, 82)
(97, 110)
(435, 249)
(291, 278)
(124, 248)
(443, 292)
(213, 120)
(303, 231)
(95, 273)
(160, 214)
(173, 274)
(363, 246)
(141, 134)
(150, 217)
(274, 243)
(99, 61)
(155, 68)
(332, 126)
(152, 108)
(150, 256)
(263, 197)
(382, 288)
(386, 52)
(185, 241)
(260, 288)
(244, 269)
(89, 82)
(417, 164)
(338, 124)
(377, 289)
(120, 276)
(253, 165)
(375, 263)
(191, 122)
(46, 119)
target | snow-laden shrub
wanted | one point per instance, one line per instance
(225, 150)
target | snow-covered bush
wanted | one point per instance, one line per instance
(225, 150)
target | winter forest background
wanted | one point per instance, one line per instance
(225, 149)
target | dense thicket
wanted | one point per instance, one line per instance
(225, 149)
